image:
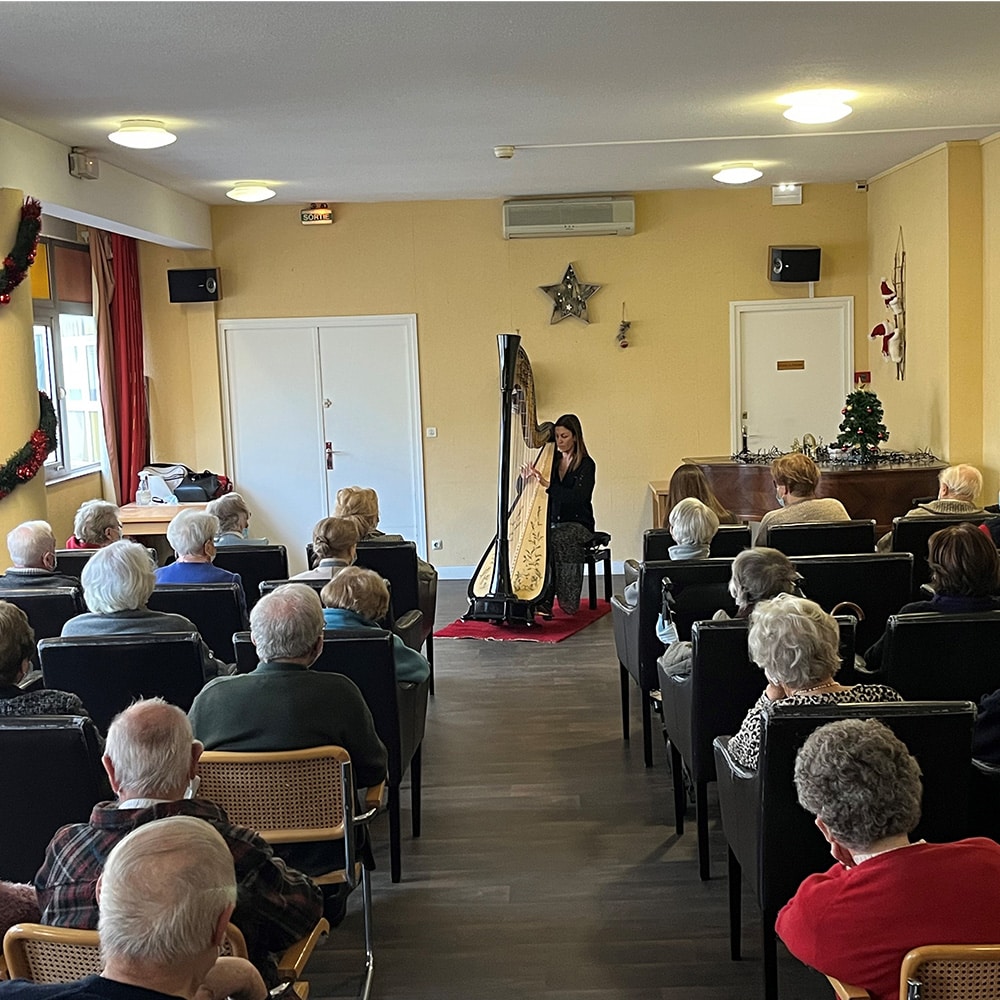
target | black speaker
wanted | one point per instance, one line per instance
(793, 263)
(194, 284)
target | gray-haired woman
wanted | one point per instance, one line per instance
(234, 521)
(795, 642)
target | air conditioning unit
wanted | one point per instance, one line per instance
(592, 216)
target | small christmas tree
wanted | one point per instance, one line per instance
(862, 430)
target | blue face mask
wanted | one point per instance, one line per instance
(246, 532)
(780, 499)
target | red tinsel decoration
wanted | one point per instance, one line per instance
(22, 254)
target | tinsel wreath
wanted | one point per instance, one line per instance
(24, 464)
(22, 254)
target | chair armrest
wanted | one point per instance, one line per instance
(293, 959)
(427, 599)
(631, 570)
(375, 796)
(409, 627)
(845, 991)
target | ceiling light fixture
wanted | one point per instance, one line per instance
(817, 107)
(250, 191)
(737, 173)
(142, 133)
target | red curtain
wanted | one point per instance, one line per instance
(129, 384)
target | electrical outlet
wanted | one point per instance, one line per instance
(437, 544)
(432, 432)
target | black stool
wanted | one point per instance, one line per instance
(598, 549)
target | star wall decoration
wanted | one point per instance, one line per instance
(569, 297)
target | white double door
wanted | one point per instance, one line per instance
(313, 405)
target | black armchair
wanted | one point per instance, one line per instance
(47, 608)
(822, 537)
(878, 584)
(216, 608)
(943, 656)
(699, 588)
(911, 534)
(72, 561)
(52, 776)
(109, 672)
(730, 540)
(399, 711)
(774, 842)
(254, 563)
(712, 701)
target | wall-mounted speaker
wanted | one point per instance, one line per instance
(194, 284)
(793, 263)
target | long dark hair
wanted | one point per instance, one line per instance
(572, 423)
(689, 481)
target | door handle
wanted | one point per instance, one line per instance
(329, 455)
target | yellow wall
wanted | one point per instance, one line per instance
(991, 318)
(64, 499)
(643, 409)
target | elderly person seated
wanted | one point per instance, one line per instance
(191, 535)
(965, 578)
(117, 582)
(689, 481)
(958, 489)
(757, 575)
(32, 548)
(795, 479)
(335, 545)
(97, 523)
(795, 642)
(885, 894)
(17, 646)
(234, 521)
(359, 598)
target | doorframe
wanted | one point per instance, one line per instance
(409, 321)
(844, 304)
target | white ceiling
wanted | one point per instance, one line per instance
(388, 101)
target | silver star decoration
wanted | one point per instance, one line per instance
(569, 297)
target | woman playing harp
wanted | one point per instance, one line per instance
(513, 574)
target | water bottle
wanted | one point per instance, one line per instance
(143, 497)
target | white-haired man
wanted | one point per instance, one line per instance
(283, 705)
(166, 896)
(32, 548)
(152, 758)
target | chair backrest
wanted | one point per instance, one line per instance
(700, 588)
(287, 796)
(730, 540)
(780, 845)
(822, 537)
(397, 562)
(72, 561)
(47, 608)
(951, 972)
(109, 672)
(943, 656)
(52, 776)
(878, 583)
(910, 534)
(253, 563)
(216, 608)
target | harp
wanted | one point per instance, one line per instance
(513, 573)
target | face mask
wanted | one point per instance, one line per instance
(245, 533)
(780, 499)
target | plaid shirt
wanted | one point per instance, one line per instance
(275, 906)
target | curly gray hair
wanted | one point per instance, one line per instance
(794, 641)
(860, 780)
(191, 530)
(94, 519)
(118, 577)
(692, 522)
(228, 508)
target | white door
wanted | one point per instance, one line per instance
(792, 368)
(278, 377)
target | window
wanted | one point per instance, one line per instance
(65, 335)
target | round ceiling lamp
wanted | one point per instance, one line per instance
(142, 133)
(737, 173)
(250, 191)
(817, 107)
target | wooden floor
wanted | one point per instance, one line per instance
(547, 866)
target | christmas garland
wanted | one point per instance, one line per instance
(22, 254)
(24, 464)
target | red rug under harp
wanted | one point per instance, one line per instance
(561, 627)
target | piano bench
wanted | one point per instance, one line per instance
(598, 550)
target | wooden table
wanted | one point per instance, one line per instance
(152, 519)
(881, 492)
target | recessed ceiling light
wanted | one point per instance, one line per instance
(142, 133)
(737, 173)
(817, 107)
(250, 191)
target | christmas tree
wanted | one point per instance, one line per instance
(862, 429)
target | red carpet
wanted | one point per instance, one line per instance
(561, 627)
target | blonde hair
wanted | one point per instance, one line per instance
(360, 590)
(334, 537)
(361, 503)
(228, 509)
(799, 474)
